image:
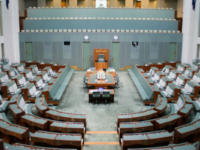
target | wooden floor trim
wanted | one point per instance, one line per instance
(101, 143)
(101, 132)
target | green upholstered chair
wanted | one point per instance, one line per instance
(106, 96)
(96, 95)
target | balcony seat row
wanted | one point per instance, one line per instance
(105, 8)
(98, 30)
(98, 18)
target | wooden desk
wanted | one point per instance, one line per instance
(151, 138)
(58, 139)
(187, 130)
(111, 99)
(35, 122)
(8, 131)
(101, 83)
(88, 73)
(101, 65)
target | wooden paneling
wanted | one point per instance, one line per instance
(101, 51)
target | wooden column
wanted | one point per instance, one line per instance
(128, 3)
(72, 3)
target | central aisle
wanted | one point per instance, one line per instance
(101, 117)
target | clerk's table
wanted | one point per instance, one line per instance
(104, 83)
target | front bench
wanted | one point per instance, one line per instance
(57, 89)
(148, 93)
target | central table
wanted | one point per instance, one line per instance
(109, 81)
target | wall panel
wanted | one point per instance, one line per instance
(153, 47)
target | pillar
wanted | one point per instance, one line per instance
(160, 3)
(145, 3)
(41, 3)
(128, 3)
(188, 48)
(10, 21)
(72, 3)
(88, 3)
(57, 3)
(113, 3)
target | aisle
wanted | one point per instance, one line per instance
(100, 117)
(101, 140)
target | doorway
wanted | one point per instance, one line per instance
(86, 55)
(115, 55)
(138, 4)
(29, 51)
(63, 3)
(172, 51)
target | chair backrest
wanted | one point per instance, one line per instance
(39, 82)
(173, 74)
(153, 70)
(48, 69)
(163, 82)
(12, 72)
(168, 67)
(34, 69)
(20, 101)
(170, 89)
(101, 58)
(188, 72)
(96, 94)
(31, 90)
(1, 99)
(196, 77)
(189, 87)
(4, 77)
(12, 87)
(180, 67)
(28, 74)
(106, 94)
(180, 80)
(44, 76)
(21, 80)
(20, 67)
(181, 101)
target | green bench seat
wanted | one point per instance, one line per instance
(59, 86)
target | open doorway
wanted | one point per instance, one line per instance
(138, 4)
